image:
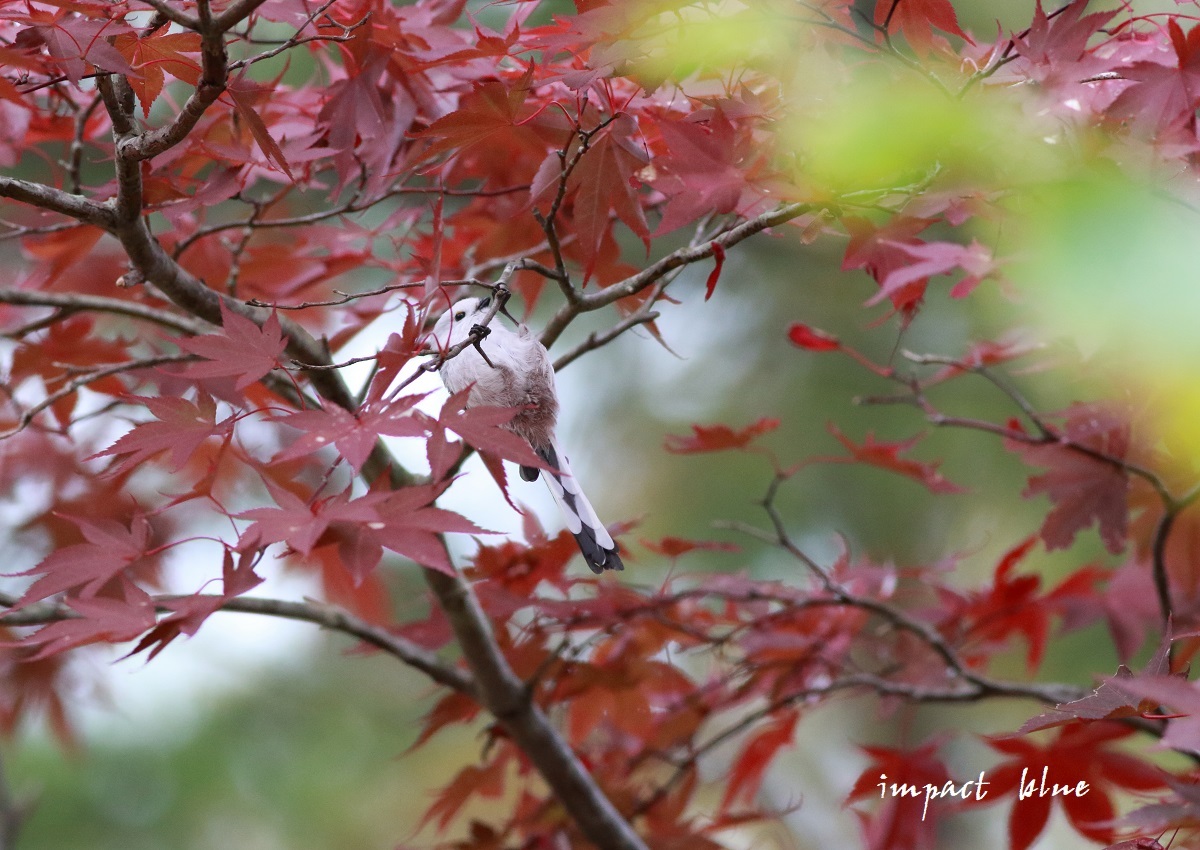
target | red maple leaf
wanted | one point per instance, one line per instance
(1164, 96)
(604, 181)
(521, 567)
(1085, 479)
(101, 619)
(812, 339)
(880, 251)
(1079, 753)
(483, 428)
(750, 767)
(155, 56)
(410, 525)
(718, 438)
(182, 427)
(486, 780)
(927, 259)
(703, 171)
(1175, 693)
(111, 548)
(300, 523)
(1108, 701)
(887, 456)
(917, 19)
(58, 251)
(1015, 604)
(188, 613)
(902, 821)
(673, 547)
(491, 109)
(1057, 47)
(354, 434)
(241, 349)
(73, 342)
(75, 42)
(244, 95)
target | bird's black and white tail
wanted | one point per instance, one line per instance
(593, 538)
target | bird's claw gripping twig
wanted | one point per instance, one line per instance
(479, 334)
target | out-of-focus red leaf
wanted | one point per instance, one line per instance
(718, 438)
(917, 19)
(750, 767)
(880, 251)
(1079, 752)
(485, 780)
(1084, 488)
(1163, 96)
(887, 456)
(812, 339)
(901, 821)
(673, 547)
(29, 687)
(710, 286)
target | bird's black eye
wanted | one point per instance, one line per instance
(460, 315)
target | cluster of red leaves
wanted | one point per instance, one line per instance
(413, 146)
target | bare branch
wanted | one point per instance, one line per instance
(168, 10)
(343, 297)
(927, 634)
(75, 161)
(340, 620)
(73, 386)
(596, 340)
(75, 302)
(676, 259)
(56, 200)
(319, 613)
(235, 13)
(296, 40)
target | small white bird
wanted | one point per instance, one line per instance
(520, 375)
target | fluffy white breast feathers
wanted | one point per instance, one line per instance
(517, 373)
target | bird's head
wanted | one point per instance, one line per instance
(454, 325)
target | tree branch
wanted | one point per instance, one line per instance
(923, 631)
(172, 13)
(235, 14)
(318, 613)
(214, 74)
(676, 259)
(73, 386)
(56, 200)
(508, 699)
(76, 302)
